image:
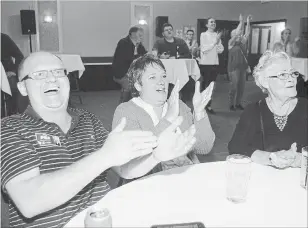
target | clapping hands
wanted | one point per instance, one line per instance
(124, 146)
(172, 143)
(173, 103)
(218, 37)
(200, 100)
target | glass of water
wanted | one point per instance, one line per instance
(237, 177)
(304, 168)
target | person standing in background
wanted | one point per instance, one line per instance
(128, 49)
(191, 42)
(238, 63)
(286, 45)
(11, 56)
(210, 47)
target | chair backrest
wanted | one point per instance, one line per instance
(5, 221)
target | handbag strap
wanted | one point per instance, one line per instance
(244, 56)
(262, 125)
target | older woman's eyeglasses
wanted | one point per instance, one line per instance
(43, 74)
(285, 75)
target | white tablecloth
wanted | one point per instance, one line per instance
(301, 65)
(4, 82)
(197, 193)
(181, 69)
(72, 63)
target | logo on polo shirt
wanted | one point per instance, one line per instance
(47, 140)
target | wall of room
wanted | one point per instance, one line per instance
(93, 28)
(10, 23)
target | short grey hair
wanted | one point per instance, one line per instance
(266, 60)
(134, 29)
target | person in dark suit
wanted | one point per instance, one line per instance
(11, 56)
(128, 49)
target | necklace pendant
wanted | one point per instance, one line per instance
(280, 121)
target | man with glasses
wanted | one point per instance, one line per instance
(54, 158)
(171, 47)
(191, 42)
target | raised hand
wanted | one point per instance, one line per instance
(173, 103)
(241, 17)
(172, 143)
(124, 146)
(218, 37)
(200, 100)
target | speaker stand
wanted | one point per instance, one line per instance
(30, 41)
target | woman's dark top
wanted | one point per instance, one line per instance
(247, 136)
(237, 60)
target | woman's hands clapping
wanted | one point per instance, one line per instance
(173, 103)
(200, 100)
(172, 143)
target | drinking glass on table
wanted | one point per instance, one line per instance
(98, 217)
(237, 177)
(304, 168)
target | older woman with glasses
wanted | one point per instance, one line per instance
(151, 110)
(273, 130)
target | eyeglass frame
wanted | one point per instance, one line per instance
(291, 73)
(167, 30)
(51, 71)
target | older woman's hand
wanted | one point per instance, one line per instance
(172, 143)
(200, 100)
(285, 158)
(173, 103)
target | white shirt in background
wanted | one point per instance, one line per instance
(209, 48)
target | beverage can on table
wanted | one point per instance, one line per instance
(98, 217)
(304, 168)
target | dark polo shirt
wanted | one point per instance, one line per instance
(178, 45)
(27, 142)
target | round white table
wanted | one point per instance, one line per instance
(181, 69)
(197, 194)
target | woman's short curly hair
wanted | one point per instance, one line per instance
(266, 60)
(137, 69)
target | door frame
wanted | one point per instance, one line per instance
(134, 21)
